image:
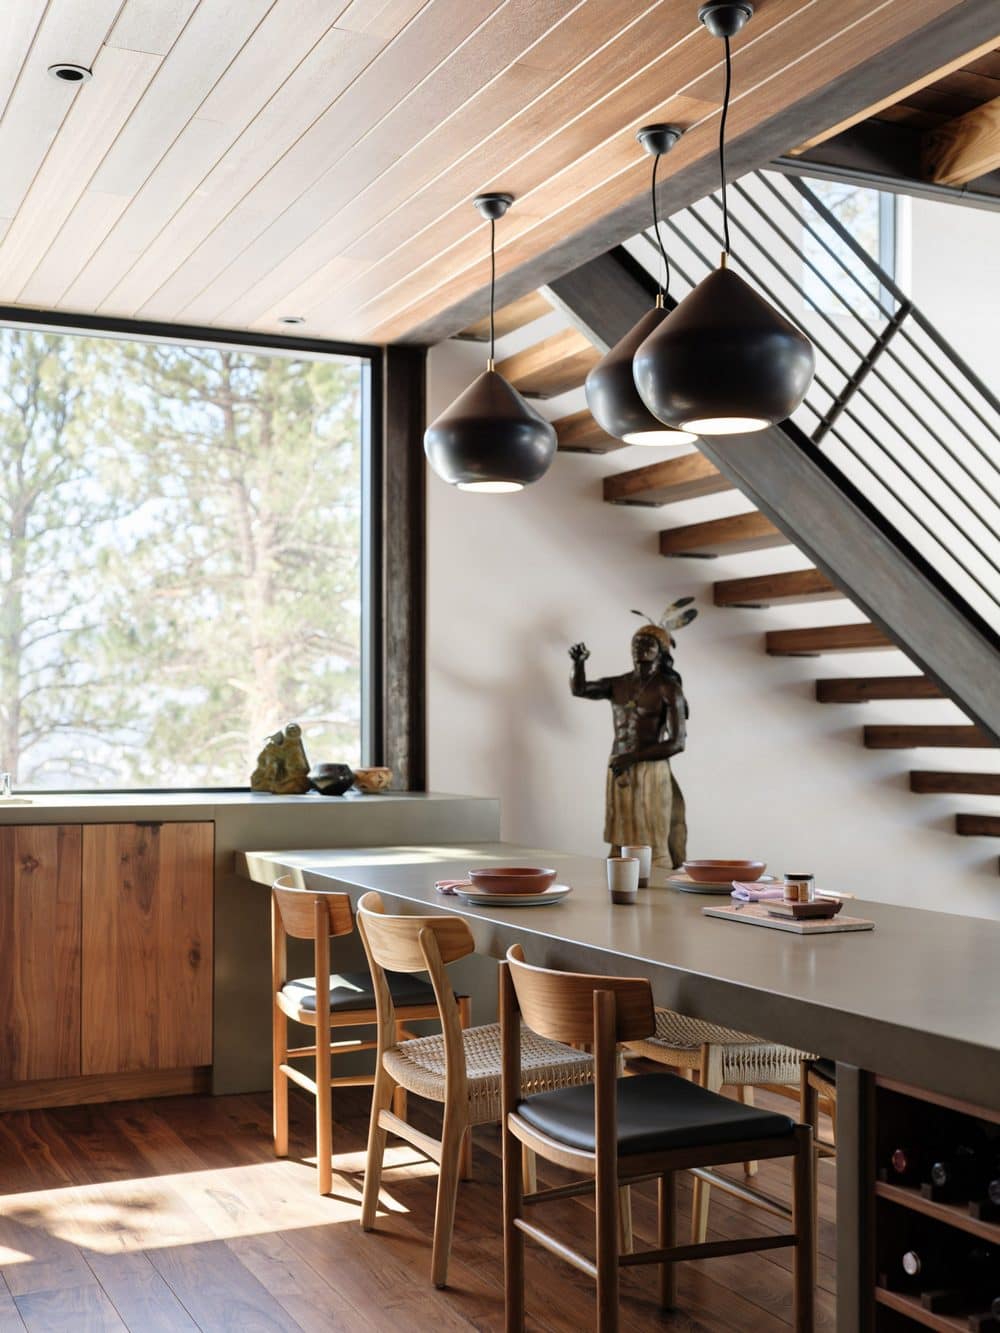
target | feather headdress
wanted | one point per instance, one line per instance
(676, 616)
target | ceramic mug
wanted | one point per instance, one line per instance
(644, 855)
(623, 878)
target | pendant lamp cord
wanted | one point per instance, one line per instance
(665, 285)
(722, 143)
(493, 283)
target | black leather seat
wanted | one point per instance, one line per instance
(825, 1068)
(656, 1112)
(353, 990)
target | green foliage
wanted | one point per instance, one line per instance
(205, 506)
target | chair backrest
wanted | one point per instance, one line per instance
(416, 944)
(395, 941)
(304, 915)
(560, 1005)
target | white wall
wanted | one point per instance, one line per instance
(514, 580)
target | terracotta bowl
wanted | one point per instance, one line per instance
(372, 779)
(714, 872)
(513, 879)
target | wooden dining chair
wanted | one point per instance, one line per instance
(341, 1000)
(716, 1057)
(459, 1069)
(627, 1129)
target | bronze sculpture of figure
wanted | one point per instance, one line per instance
(643, 803)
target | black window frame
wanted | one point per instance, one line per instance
(372, 528)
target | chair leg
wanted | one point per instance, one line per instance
(711, 1078)
(465, 1021)
(324, 1113)
(803, 1203)
(447, 1192)
(744, 1093)
(666, 1236)
(279, 1082)
(626, 1240)
(381, 1097)
(607, 1247)
(809, 1115)
(515, 1166)
(399, 1101)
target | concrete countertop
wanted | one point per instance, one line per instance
(915, 999)
(127, 807)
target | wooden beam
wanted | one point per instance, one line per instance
(722, 536)
(552, 366)
(666, 480)
(509, 318)
(964, 148)
(935, 783)
(863, 689)
(795, 585)
(400, 735)
(861, 638)
(959, 737)
(579, 433)
(892, 99)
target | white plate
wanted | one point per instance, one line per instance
(554, 894)
(691, 886)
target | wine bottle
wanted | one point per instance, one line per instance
(908, 1164)
(967, 1282)
(956, 1176)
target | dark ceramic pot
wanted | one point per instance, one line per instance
(331, 779)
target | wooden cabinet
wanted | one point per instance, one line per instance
(106, 943)
(39, 952)
(147, 947)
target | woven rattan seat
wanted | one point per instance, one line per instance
(747, 1061)
(419, 1066)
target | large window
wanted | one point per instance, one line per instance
(180, 558)
(870, 218)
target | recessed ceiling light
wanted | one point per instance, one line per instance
(292, 319)
(67, 73)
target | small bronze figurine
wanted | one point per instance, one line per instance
(643, 803)
(282, 766)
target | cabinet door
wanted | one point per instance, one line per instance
(147, 946)
(39, 952)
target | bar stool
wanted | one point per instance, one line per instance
(627, 1129)
(715, 1056)
(460, 1069)
(349, 1002)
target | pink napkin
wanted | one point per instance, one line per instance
(756, 893)
(449, 885)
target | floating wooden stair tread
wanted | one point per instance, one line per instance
(978, 826)
(722, 536)
(796, 585)
(552, 366)
(509, 318)
(955, 784)
(826, 639)
(862, 689)
(579, 433)
(961, 736)
(666, 481)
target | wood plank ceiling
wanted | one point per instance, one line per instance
(236, 161)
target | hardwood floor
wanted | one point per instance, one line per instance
(174, 1215)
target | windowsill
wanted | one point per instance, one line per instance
(197, 804)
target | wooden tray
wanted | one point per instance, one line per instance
(756, 914)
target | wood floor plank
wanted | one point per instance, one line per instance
(212, 1232)
(218, 1291)
(10, 1319)
(69, 1310)
(139, 1294)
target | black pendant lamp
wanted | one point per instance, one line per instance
(612, 397)
(490, 439)
(724, 362)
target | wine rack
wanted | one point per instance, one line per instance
(947, 1225)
